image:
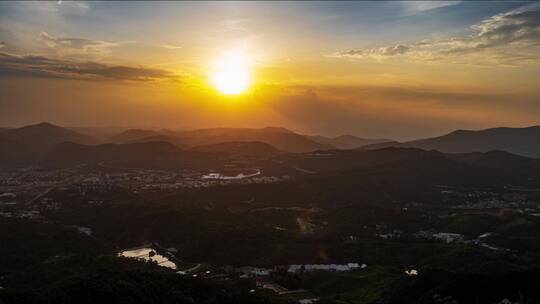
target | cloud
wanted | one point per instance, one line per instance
(509, 39)
(374, 52)
(41, 66)
(171, 47)
(79, 5)
(414, 7)
(80, 46)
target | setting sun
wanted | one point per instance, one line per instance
(231, 73)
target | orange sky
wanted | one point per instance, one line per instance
(398, 70)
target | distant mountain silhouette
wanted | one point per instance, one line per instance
(46, 134)
(279, 138)
(174, 140)
(47, 145)
(241, 148)
(521, 141)
(385, 144)
(132, 135)
(277, 130)
(101, 133)
(22, 145)
(346, 141)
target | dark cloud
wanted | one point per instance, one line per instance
(512, 38)
(41, 66)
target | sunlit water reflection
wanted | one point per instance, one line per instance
(146, 254)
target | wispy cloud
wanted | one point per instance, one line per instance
(413, 7)
(80, 5)
(41, 66)
(510, 39)
(171, 46)
(77, 46)
(376, 53)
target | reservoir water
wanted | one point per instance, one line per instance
(148, 254)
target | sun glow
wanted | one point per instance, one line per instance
(232, 73)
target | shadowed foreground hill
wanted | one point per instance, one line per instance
(114, 280)
(68, 267)
(412, 167)
(156, 155)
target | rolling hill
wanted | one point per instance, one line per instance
(521, 141)
(414, 165)
(279, 138)
(21, 146)
(46, 134)
(239, 148)
(173, 140)
(346, 141)
(131, 135)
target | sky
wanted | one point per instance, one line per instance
(398, 69)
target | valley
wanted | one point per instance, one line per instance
(390, 210)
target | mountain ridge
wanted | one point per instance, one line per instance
(521, 141)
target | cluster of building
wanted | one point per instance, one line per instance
(441, 236)
(233, 177)
(27, 182)
(208, 182)
(47, 203)
(22, 214)
(31, 176)
(27, 211)
(394, 234)
(488, 199)
(83, 230)
(458, 238)
(325, 267)
(8, 199)
(92, 185)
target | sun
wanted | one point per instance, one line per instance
(232, 73)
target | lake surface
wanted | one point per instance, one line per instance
(144, 254)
